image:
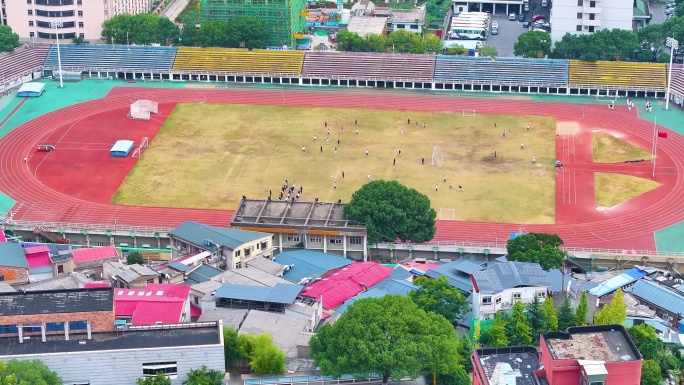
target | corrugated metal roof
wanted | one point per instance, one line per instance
(401, 273)
(134, 272)
(203, 273)
(153, 312)
(196, 233)
(386, 287)
(39, 259)
(658, 295)
(179, 266)
(347, 282)
(93, 254)
(458, 273)
(311, 264)
(36, 249)
(156, 302)
(617, 282)
(265, 265)
(501, 276)
(12, 254)
(280, 293)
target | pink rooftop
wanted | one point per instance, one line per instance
(93, 254)
(157, 302)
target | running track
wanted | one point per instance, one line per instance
(628, 226)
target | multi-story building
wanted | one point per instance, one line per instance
(588, 16)
(32, 19)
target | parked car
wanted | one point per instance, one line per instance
(495, 24)
(526, 24)
(538, 17)
(521, 17)
(511, 16)
(526, 7)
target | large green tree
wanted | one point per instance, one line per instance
(159, 379)
(231, 346)
(349, 41)
(403, 41)
(605, 44)
(495, 335)
(566, 315)
(650, 373)
(264, 357)
(518, 329)
(8, 39)
(465, 350)
(247, 32)
(646, 340)
(543, 249)
(134, 257)
(550, 314)
(654, 36)
(392, 211)
(390, 336)
(204, 376)
(582, 310)
(613, 313)
(141, 29)
(16, 372)
(438, 296)
(213, 33)
(534, 44)
(537, 319)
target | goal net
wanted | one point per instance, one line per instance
(606, 95)
(446, 214)
(141, 147)
(469, 113)
(437, 157)
(142, 109)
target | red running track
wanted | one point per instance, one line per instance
(627, 226)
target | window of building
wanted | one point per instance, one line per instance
(487, 300)
(82, 36)
(80, 13)
(78, 325)
(31, 329)
(579, 28)
(335, 240)
(293, 238)
(498, 300)
(80, 24)
(592, 16)
(32, 34)
(541, 294)
(79, 2)
(315, 239)
(54, 2)
(597, 383)
(170, 369)
(579, 15)
(592, 4)
(414, 26)
(40, 12)
(591, 28)
(402, 26)
(29, 1)
(579, 3)
(248, 252)
(100, 243)
(4, 329)
(2, 277)
(516, 296)
(66, 24)
(54, 326)
(264, 245)
(258, 246)
(151, 280)
(30, 23)
(356, 240)
(195, 299)
(30, 12)
(238, 265)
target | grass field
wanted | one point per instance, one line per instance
(609, 149)
(613, 189)
(209, 155)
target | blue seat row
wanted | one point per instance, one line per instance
(530, 71)
(114, 57)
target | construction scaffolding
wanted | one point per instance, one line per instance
(284, 18)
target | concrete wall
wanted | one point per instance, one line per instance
(13, 274)
(124, 367)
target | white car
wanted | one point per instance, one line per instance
(495, 24)
(511, 16)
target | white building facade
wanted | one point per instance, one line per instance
(487, 305)
(588, 16)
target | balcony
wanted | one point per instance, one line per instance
(588, 9)
(591, 23)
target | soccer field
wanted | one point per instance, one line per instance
(210, 155)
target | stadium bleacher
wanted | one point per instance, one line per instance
(617, 74)
(79, 56)
(239, 60)
(677, 80)
(375, 65)
(22, 61)
(501, 70)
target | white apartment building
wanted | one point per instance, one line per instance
(588, 16)
(32, 19)
(500, 286)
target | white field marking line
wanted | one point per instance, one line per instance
(267, 168)
(83, 149)
(35, 172)
(248, 156)
(72, 126)
(242, 169)
(107, 144)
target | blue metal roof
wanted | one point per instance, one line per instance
(280, 293)
(12, 254)
(307, 263)
(619, 281)
(197, 233)
(658, 296)
(385, 287)
(179, 266)
(507, 275)
(401, 273)
(203, 273)
(458, 273)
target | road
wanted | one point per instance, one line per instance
(509, 30)
(174, 9)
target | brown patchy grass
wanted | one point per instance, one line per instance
(609, 149)
(209, 155)
(613, 189)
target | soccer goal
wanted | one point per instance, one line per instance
(437, 157)
(606, 95)
(142, 109)
(469, 113)
(446, 214)
(141, 147)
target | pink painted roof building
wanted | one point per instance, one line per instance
(37, 256)
(157, 302)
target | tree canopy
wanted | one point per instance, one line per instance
(398, 42)
(646, 340)
(518, 329)
(264, 357)
(8, 39)
(566, 315)
(540, 248)
(537, 319)
(650, 373)
(533, 44)
(550, 314)
(392, 211)
(495, 336)
(159, 379)
(231, 346)
(390, 336)
(489, 51)
(613, 313)
(134, 257)
(605, 44)
(438, 296)
(141, 29)
(582, 310)
(16, 372)
(204, 376)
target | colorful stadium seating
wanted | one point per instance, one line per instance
(364, 65)
(239, 60)
(617, 74)
(22, 62)
(117, 57)
(678, 80)
(500, 70)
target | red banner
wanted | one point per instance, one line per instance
(662, 134)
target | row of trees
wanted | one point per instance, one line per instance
(146, 28)
(201, 376)
(8, 39)
(658, 360)
(402, 42)
(264, 357)
(17, 372)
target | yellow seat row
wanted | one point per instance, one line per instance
(617, 74)
(238, 60)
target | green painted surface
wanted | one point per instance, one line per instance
(670, 238)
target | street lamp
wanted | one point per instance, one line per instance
(56, 24)
(673, 44)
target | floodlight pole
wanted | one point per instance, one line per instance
(673, 44)
(655, 151)
(56, 24)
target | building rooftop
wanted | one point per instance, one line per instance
(658, 295)
(6, 288)
(12, 254)
(133, 272)
(458, 273)
(61, 282)
(202, 273)
(283, 328)
(607, 343)
(93, 254)
(284, 293)
(364, 25)
(295, 215)
(157, 302)
(509, 366)
(56, 301)
(36, 249)
(608, 286)
(507, 275)
(163, 336)
(230, 317)
(309, 264)
(198, 233)
(266, 265)
(416, 15)
(385, 287)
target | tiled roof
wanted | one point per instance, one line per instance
(56, 301)
(458, 273)
(507, 275)
(12, 254)
(157, 302)
(309, 264)
(346, 282)
(281, 293)
(658, 295)
(632, 275)
(93, 254)
(197, 233)
(133, 272)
